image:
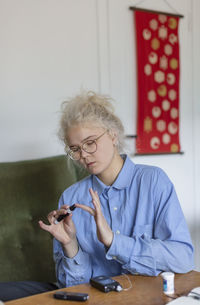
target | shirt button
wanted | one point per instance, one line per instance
(114, 257)
(117, 232)
(115, 208)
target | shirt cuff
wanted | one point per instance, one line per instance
(121, 248)
(77, 263)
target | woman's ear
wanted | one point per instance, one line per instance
(114, 137)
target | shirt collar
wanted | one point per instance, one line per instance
(123, 180)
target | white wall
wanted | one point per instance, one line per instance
(50, 49)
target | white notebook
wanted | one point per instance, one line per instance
(193, 298)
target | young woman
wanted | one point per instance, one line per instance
(127, 217)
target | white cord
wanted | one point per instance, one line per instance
(139, 2)
(169, 5)
(120, 288)
(130, 283)
(166, 2)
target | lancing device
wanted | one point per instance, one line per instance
(69, 210)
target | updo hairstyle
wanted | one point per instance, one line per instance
(94, 109)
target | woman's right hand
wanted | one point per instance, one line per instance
(64, 231)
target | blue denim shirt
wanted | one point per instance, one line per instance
(143, 211)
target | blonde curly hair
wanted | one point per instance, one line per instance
(90, 107)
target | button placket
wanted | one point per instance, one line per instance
(114, 210)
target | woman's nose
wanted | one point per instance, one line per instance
(83, 153)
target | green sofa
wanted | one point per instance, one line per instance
(29, 190)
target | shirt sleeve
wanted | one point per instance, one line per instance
(70, 271)
(164, 245)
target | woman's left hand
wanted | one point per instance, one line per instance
(104, 232)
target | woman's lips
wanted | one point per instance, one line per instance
(90, 164)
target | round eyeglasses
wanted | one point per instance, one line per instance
(89, 146)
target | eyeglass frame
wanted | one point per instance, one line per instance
(80, 148)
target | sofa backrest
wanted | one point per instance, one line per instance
(29, 190)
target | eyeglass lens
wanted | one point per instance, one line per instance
(89, 147)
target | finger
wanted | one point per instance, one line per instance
(94, 195)
(44, 226)
(95, 199)
(54, 215)
(68, 220)
(86, 208)
(65, 206)
(61, 212)
(51, 216)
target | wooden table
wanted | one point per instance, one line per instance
(145, 291)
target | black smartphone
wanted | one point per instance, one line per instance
(72, 296)
(105, 283)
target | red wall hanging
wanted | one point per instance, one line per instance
(158, 75)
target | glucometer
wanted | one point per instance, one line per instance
(69, 210)
(105, 283)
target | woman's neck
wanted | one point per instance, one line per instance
(109, 176)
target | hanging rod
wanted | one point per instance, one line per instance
(157, 154)
(135, 8)
(130, 136)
